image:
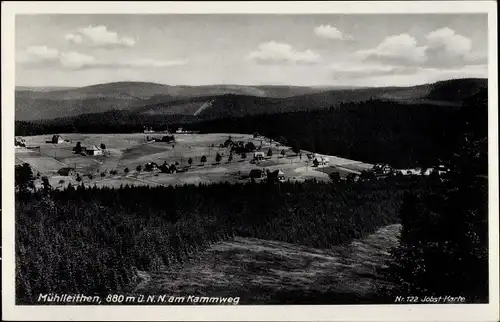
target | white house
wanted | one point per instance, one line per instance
(281, 176)
(93, 150)
(319, 160)
(441, 169)
(259, 155)
(276, 175)
(56, 139)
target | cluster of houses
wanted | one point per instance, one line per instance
(148, 129)
(164, 168)
(318, 160)
(440, 170)
(180, 130)
(382, 169)
(271, 176)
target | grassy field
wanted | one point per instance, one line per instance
(272, 272)
(131, 150)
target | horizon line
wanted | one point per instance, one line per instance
(243, 85)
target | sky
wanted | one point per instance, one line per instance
(199, 49)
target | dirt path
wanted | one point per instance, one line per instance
(270, 272)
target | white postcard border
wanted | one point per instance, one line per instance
(436, 312)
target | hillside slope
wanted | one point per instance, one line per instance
(271, 272)
(449, 93)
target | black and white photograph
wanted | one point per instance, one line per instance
(259, 159)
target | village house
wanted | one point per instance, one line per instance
(259, 156)
(19, 141)
(276, 176)
(151, 166)
(409, 172)
(93, 150)
(56, 139)
(319, 160)
(381, 168)
(441, 169)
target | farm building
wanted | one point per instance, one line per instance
(259, 156)
(439, 170)
(321, 161)
(66, 172)
(381, 168)
(276, 175)
(19, 141)
(56, 139)
(93, 150)
(410, 172)
(151, 166)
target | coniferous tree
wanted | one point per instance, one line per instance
(24, 179)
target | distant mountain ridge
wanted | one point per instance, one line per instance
(225, 100)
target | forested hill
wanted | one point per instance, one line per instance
(223, 100)
(375, 131)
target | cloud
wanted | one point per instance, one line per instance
(398, 49)
(38, 54)
(75, 60)
(447, 48)
(279, 53)
(74, 38)
(330, 32)
(99, 36)
(45, 57)
(442, 48)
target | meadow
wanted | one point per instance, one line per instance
(128, 151)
